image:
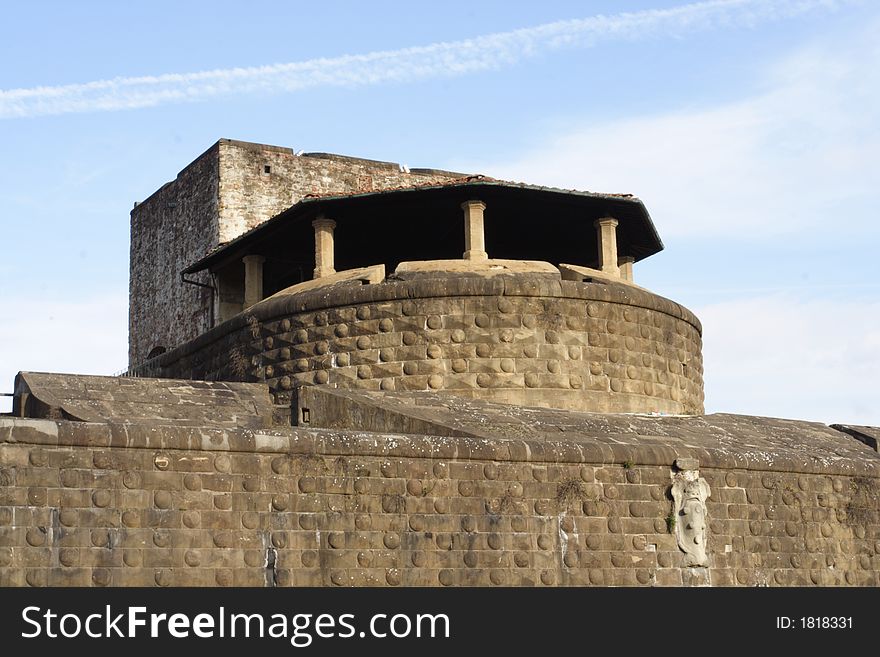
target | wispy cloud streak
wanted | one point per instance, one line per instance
(801, 147)
(445, 59)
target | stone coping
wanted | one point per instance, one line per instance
(92, 398)
(372, 274)
(296, 440)
(489, 267)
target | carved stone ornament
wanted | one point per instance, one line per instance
(689, 493)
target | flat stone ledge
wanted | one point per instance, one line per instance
(362, 275)
(62, 433)
(868, 435)
(493, 267)
(88, 398)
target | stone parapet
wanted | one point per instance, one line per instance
(529, 339)
(92, 504)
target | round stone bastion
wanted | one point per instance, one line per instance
(530, 339)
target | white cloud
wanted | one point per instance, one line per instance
(788, 357)
(404, 65)
(83, 337)
(782, 160)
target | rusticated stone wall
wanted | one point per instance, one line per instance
(222, 194)
(116, 504)
(523, 340)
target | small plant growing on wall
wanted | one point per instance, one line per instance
(569, 492)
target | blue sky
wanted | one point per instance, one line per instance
(748, 128)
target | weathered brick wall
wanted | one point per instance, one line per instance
(522, 340)
(95, 504)
(222, 194)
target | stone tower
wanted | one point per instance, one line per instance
(229, 189)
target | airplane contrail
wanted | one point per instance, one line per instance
(443, 59)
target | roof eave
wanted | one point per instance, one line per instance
(308, 203)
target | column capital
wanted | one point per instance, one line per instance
(256, 259)
(323, 222)
(473, 204)
(605, 221)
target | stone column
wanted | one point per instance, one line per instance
(323, 246)
(606, 230)
(474, 238)
(626, 267)
(253, 279)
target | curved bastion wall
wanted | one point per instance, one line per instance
(146, 504)
(527, 339)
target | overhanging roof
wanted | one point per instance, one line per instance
(521, 221)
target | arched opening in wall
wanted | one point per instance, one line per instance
(156, 351)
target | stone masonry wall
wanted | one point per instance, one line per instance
(177, 222)
(249, 196)
(527, 341)
(222, 194)
(123, 505)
